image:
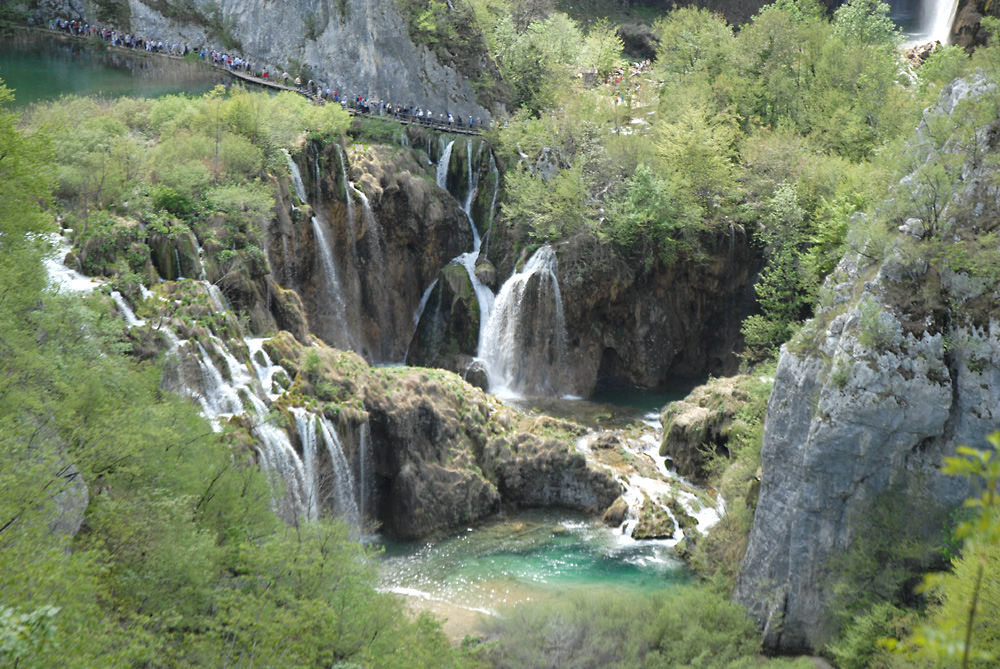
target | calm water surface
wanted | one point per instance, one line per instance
(43, 67)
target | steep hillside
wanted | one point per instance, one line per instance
(899, 367)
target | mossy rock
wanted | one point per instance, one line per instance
(654, 522)
(615, 514)
(683, 518)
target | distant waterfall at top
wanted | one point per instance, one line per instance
(924, 21)
(524, 342)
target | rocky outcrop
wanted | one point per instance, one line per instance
(444, 453)
(449, 327)
(967, 31)
(356, 47)
(386, 244)
(681, 319)
(900, 366)
(699, 424)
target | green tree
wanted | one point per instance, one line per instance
(962, 628)
(866, 22)
(602, 48)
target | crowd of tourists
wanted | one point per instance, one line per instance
(317, 91)
(621, 74)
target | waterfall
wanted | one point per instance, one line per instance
(62, 277)
(524, 343)
(495, 176)
(218, 299)
(364, 469)
(924, 21)
(306, 424)
(297, 185)
(218, 398)
(343, 494)
(127, 312)
(423, 303)
(333, 285)
(484, 296)
(942, 19)
(177, 259)
(349, 201)
(442, 166)
(263, 367)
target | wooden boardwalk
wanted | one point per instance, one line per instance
(402, 119)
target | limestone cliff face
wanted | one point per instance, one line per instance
(900, 365)
(386, 244)
(677, 320)
(356, 47)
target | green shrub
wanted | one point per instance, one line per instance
(166, 198)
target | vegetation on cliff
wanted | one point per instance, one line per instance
(130, 533)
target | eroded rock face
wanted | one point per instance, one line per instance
(700, 422)
(677, 320)
(868, 399)
(967, 31)
(387, 244)
(444, 453)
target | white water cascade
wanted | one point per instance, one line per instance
(942, 19)
(126, 310)
(655, 484)
(524, 343)
(222, 399)
(924, 21)
(468, 260)
(341, 334)
(338, 479)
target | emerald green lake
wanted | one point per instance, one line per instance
(529, 557)
(41, 67)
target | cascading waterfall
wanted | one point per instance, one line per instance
(924, 21)
(495, 177)
(423, 303)
(127, 313)
(364, 469)
(343, 492)
(297, 185)
(524, 343)
(442, 166)
(942, 19)
(342, 337)
(221, 399)
(348, 200)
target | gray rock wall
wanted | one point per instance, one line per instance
(363, 50)
(900, 366)
(356, 47)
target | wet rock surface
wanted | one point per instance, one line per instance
(445, 454)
